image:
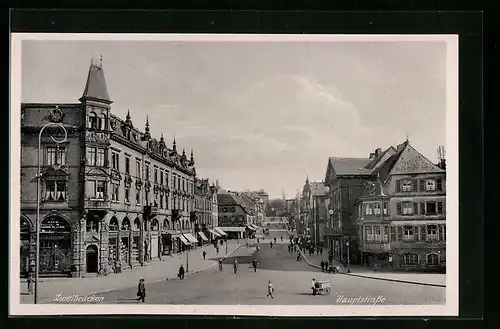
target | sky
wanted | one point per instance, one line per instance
(259, 114)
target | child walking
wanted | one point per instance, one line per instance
(270, 290)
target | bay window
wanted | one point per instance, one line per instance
(100, 157)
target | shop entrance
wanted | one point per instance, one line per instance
(92, 259)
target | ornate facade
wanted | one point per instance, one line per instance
(205, 202)
(402, 214)
(112, 196)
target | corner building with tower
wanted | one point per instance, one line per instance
(112, 197)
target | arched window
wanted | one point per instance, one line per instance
(137, 224)
(102, 121)
(113, 224)
(410, 259)
(166, 224)
(125, 224)
(154, 225)
(92, 123)
(432, 259)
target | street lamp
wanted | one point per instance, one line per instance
(348, 257)
(38, 176)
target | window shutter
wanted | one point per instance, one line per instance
(415, 208)
(439, 184)
(398, 185)
(399, 232)
(398, 208)
(393, 233)
(414, 187)
(423, 232)
(439, 207)
(422, 208)
(415, 233)
(421, 185)
(440, 232)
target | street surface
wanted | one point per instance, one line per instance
(290, 278)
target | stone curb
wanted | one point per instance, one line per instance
(378, 278)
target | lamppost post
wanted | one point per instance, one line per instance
(38, 176)
(348, 257)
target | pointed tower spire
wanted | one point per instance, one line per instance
(161, 138)
(183, 153)
(174, 146)
(95, 87)
(307, 180)
(147, 134)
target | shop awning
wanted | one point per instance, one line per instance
(250, 227)
(215, 234)
(218, 230)
(184, 240)
(190, 238)
(202, 236)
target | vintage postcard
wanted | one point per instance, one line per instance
(276, 175)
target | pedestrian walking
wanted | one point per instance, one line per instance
(270, 290)
(317, 251)
(30, 282)
(322, 266)
(220, 264)
(217, 249)
(204, 254)
(235, 266)
(258, 240)
(327, 265)
(274, 240)
(254, 264)
(321, 251)
(281, 238)
(271, 244)
(181, 273)
(141, 291)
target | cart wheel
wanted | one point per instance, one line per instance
(327, 291)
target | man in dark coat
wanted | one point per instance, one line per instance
(181, 272)
(254, 264)
(204, 254)
(322, 266)
(141, 291)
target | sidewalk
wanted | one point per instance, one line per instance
(429, 279)
(156, 271)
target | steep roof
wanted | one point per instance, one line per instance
(379, 160)
(350, 166)
(95, 88)
(407, 160)
(318, 188)
(226, 199)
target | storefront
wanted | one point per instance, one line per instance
(136, 239)
(25, 247)
(55, 246)
(192, 240)
(183, 243)
(202, 238)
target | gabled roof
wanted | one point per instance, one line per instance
(318, 188)
(379, 160)
(350, 166)
(226, 199)
(95, 88)
(407, 160)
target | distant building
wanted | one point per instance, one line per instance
(260, 195)
(402, 214)
(236, 217)
(205, 199)
(319, 212)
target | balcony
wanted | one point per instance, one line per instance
(96, 204)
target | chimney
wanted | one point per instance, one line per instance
(372, 155)
(442, 164)
(378, 152)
